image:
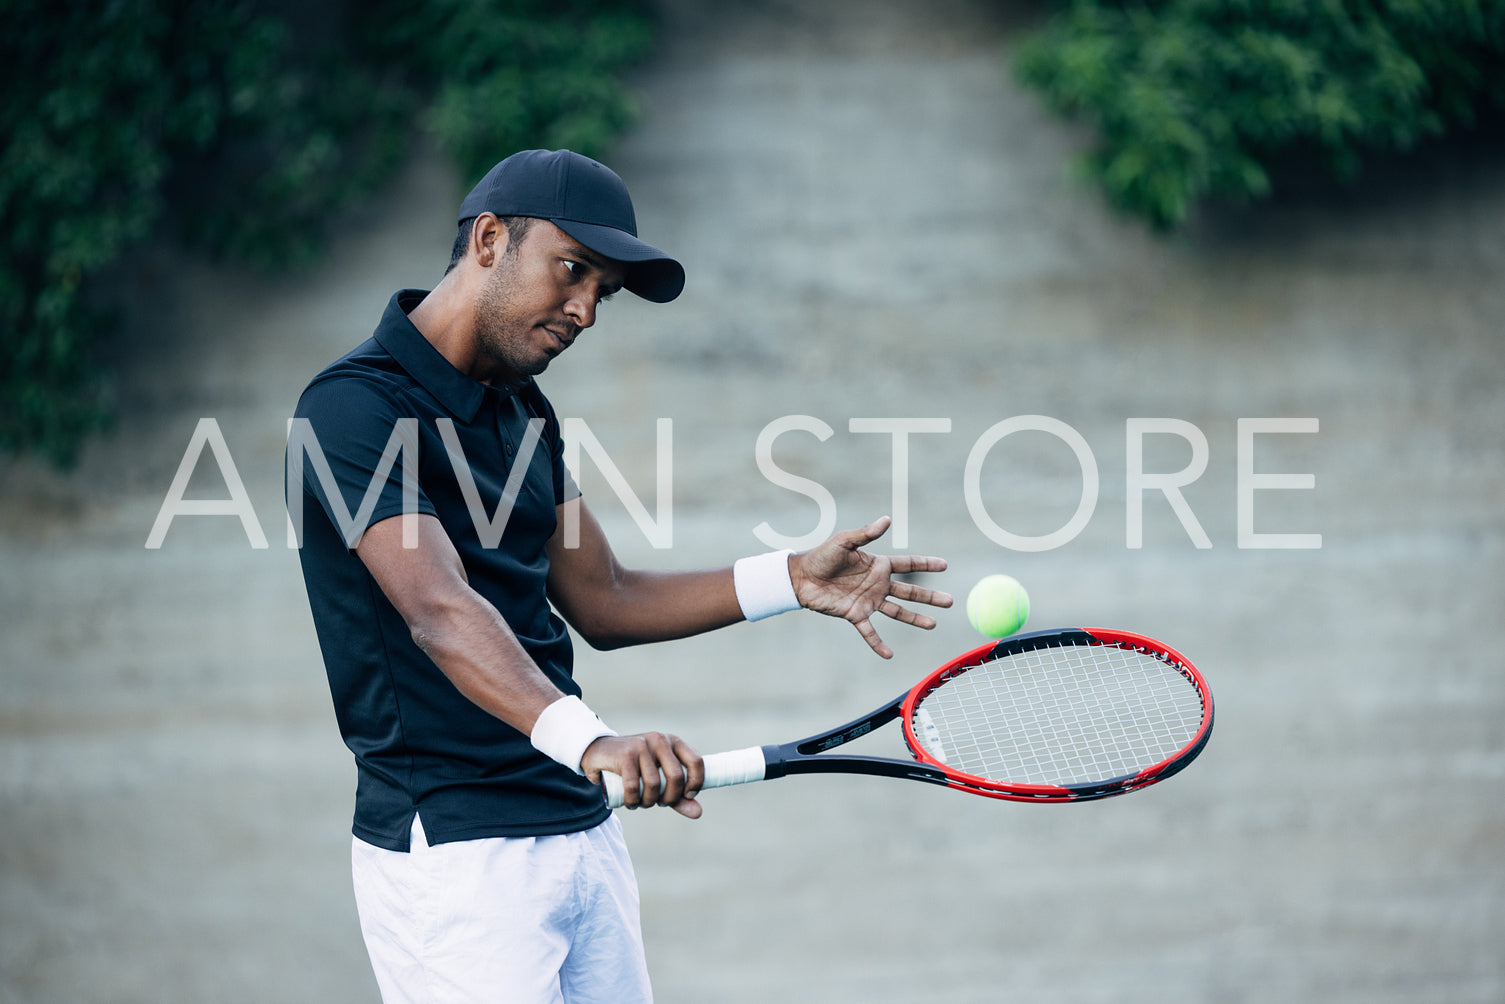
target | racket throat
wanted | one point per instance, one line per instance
(774, 764)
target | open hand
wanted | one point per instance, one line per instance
(840, 579)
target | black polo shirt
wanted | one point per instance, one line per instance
(419, 744)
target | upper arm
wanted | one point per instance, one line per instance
(418, 580)
(582, 577)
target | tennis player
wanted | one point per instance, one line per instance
(486, 864)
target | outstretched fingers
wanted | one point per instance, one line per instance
(904, 615)
(903, 564)
(908, 592)
(870, 635)
(842, 579)
(911, 593)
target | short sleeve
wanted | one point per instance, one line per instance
(565, 488)
(354, 453)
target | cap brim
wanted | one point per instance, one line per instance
(651, 274)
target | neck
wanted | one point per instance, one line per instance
(446, 317)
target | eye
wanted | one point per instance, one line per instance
(575, 268)
(603, 297)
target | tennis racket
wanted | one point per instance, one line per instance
(1051, 716)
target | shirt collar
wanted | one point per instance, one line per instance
(457, 393)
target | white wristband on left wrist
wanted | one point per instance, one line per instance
(565, 729)
(763, 585)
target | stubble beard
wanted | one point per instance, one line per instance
(501, 339)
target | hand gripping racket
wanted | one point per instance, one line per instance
(1051, 716)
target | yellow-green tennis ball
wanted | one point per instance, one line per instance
(998, 606)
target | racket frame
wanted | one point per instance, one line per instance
(809, 756)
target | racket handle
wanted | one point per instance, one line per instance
(721, 769)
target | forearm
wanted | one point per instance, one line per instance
(472, 645)
(637, 607)
(612, 606)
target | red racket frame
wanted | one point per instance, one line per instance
(1049, 792)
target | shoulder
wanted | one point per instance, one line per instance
(364, 382)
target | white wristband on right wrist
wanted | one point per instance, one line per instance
(565, 729)
(763, 585)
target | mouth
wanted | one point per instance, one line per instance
(560, 340)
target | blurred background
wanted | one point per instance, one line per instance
(956, 209)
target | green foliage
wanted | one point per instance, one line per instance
(1197, 98)
(506, 75)
(122, 116)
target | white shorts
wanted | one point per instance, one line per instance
(530, 920)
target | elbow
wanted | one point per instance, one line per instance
(433, 625)
(609, 644)
(424, 638)
(602, 626)
(600, 617)
(600, 639)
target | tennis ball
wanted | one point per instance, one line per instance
(998, 606)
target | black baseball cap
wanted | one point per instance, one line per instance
(587, 201)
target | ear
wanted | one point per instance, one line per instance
(488, 240)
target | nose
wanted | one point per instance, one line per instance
(581, 310)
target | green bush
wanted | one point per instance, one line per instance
(1199, 98)
(503, 75)
(122, 116)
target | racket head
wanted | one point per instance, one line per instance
(1060, 716)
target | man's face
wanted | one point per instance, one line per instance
(539, 295)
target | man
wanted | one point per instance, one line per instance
(487, 866)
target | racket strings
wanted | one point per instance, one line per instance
(1061, 715)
